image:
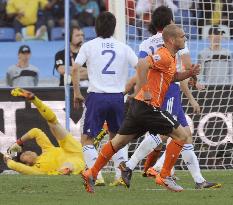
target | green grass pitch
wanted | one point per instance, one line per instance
(68, 190)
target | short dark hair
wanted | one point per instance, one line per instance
(72, 28)
(105, 25)
(161, 17)
(216, 30)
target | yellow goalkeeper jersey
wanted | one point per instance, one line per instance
(52, 158)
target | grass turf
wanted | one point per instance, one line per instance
(68, 190)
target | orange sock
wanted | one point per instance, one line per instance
(172, 153)
(105, 155)
(151, 159)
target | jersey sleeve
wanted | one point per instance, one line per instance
(59, 60)
(81, 58)
(41, 138)
(132, 58)
(22, 168)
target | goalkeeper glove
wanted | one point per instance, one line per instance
(15, 148)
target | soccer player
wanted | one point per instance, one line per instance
(107, 66)
(161, 17)
(66, 159)
(155, 73)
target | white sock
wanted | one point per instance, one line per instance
(117, 158)
(149, 143)
(90, 156)
(192, 163)
(159, 164)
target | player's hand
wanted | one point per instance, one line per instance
(147, 96)
(200, 86)
(195, 70)
(78, 100)
(196, 106)
(15, 148)
(6, 157)
(192, 82)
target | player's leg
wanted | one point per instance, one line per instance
(92, 121)
(149, 143)
(44, 110)
(164, 123)
(105, 154)
(114, 120)
(108, 150)
(190, 157)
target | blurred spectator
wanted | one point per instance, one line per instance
(25, 14)
(216, 62)
(4, 20)
(86, 12)
(56, 13)
(101, 4)
(216, 12)
(76, 40)
(144, 6)
(23, 74)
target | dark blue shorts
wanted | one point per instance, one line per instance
(172, 103)
(101, 107)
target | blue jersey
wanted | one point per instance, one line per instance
(172, 101)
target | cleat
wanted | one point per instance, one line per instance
(99, 182)
(88, 181)
(117, 182)
(207, 185)
(151, 172)
(175, 178)
(126, 174)
(19, 92)
(168, 183)
(144, 174)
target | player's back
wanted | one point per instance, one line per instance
(150, 45)
(160, 75)
(107, 64)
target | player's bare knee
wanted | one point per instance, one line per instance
(119, 141)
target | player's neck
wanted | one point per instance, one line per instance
(74, 48)
(22, 64)
(171, 50)
(215, 47)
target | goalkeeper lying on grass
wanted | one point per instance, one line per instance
(66, 159)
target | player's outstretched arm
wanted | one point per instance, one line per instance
(193, 71)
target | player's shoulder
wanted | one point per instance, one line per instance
(163, 51)
(162, 55)
(60, 52)
(12, 68)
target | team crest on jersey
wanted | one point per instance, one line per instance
(156, 57)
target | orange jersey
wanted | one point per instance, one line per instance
(160, 75)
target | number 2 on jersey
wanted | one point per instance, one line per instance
(105, 69)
